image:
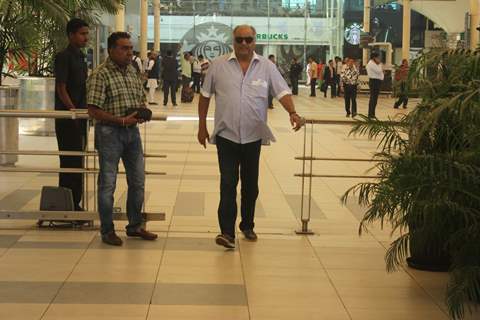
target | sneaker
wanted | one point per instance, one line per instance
(225, 240)
(250, 235)
(112, 239)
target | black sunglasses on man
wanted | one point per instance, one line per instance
(240, 40)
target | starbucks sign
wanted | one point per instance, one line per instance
(272, 36)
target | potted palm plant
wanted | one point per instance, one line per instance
(429, 175)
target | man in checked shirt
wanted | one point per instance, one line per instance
(112, 89)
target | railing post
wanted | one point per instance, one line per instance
(306, 218)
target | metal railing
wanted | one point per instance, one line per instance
(86, 170)
(305, 215)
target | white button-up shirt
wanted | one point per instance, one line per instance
(242, 100)
(374, 71)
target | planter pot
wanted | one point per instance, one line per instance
(8, 126)
(430, 256)
(37, 94)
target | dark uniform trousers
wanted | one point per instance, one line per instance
(234, 158)
(71, 136)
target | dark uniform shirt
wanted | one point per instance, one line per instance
(71, 69)
(169, 69)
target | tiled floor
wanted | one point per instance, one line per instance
(332, 275)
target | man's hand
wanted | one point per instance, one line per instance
(129, 120)
(296, 121)
(203, 136)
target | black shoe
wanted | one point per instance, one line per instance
(153, 103)
(354, 115)
(142, 233)
(348, 115)
(404, 107)
(112, 239)
(164, 104)
(225, 240)
(175, 104)
(250, 235)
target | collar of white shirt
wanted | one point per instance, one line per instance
(234, 56)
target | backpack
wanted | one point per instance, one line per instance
(187, 94)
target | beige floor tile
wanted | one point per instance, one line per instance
(95, 311)
(202, 274)
(334, 311)
(198, 312)
(22, 311)
(114, 273)
(370, 278)
(44, 256)
(379, 314)
(42, 272)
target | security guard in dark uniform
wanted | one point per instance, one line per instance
(70, 94)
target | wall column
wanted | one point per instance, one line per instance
(120, 18)
(474, 21)
(156, 25)
(366, 26)
(143, 29)
(406, 29)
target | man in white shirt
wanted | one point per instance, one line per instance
(375, 76)
(241, 82)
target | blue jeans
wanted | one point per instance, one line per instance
(115, 143)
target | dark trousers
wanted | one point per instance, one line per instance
(196, 82)
(232, 158)
(71, 136)
(294, 81)
(336, 84)
(333, 92)
(374, 85)
(350, 95)
(172, 87)
(313, 87)
(403, 97)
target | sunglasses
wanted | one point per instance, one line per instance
(240, 40)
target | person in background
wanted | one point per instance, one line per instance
(375, 78)
(70, 94)
(295, 72)
(241, 126)
(401, 79)
(313, 76)
(320, 66)
(329, 79)
(204, 64)
(137, 63)
(338, 72)
(271, 57)
(186, 65)
(350, 82)
(169, 77)
(152, 74)
(113, 88)
(196, 74)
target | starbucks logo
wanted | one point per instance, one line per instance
(211, 39)
(352, 33)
